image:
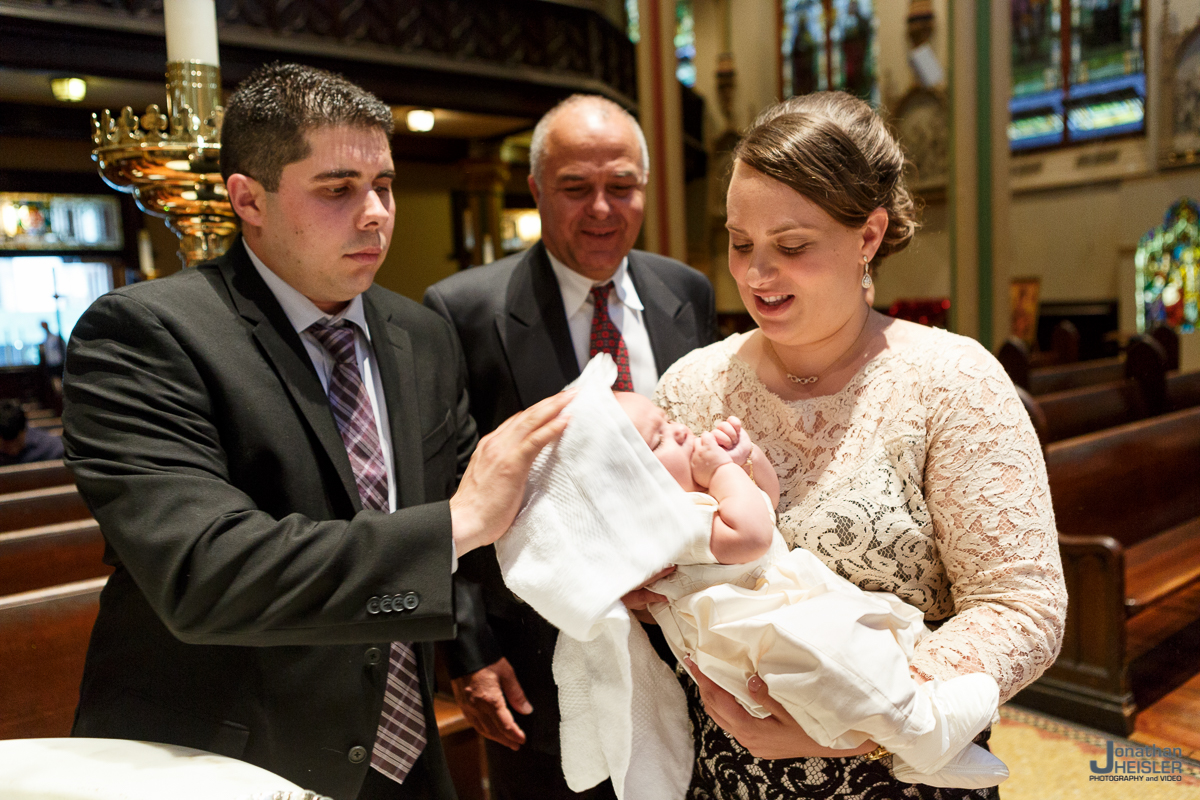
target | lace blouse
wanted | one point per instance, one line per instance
(922, 477)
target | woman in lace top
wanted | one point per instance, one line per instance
(907, 462)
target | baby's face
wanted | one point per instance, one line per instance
(671, 442)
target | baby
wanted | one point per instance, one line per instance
(836, 657)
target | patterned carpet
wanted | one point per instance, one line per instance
(1053, 760)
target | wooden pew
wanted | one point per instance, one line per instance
(37, 507)
(464, 749)
(43, 641)
(1170, 344)
(1148, 392)
(49, 555)
(35, 475)
(1141, 393)
(1146, 359)
(1127, 505)
(1019, 363)
(1183, 390)
(1072, 376)
(1075, 412)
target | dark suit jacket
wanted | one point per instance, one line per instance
(510, 319)
(239, 618)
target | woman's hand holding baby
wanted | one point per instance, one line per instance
(776, 736)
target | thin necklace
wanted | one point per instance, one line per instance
(814, 378)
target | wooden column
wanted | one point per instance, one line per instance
(662, 121)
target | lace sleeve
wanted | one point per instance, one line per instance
(989, 500)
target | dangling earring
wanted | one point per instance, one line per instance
(866, 281)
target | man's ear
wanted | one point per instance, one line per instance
(247, 196)
(533, 189)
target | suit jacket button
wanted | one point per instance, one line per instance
(385, 604)
(373, 656)
(373, 605)
(411, 601)
(357, 755)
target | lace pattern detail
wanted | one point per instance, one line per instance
(922, 477)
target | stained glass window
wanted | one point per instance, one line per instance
(1166, 266)
(1078, 71)
(633, 21)
(830, 44)
(685, 43)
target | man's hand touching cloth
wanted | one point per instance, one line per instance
(491, 491)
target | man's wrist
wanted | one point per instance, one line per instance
(465, 530)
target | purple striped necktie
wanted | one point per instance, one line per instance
(401, 734)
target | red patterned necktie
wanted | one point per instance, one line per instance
(401, 734)
(607, 339)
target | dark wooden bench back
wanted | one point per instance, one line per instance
(1064, 342)
(50, 555)
(36, 475)
(1072, 376)
(1075, 412)
(38, 507)
(43, 642)
(1128, 482)
(1016, 359)
(1183, 390)
(1170, 345)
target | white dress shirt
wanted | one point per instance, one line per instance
(624, 308)
(302, 313)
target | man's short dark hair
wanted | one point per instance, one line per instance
(12, 420)
(268, 117)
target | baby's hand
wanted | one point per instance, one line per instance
(707, 456)
(730, 435)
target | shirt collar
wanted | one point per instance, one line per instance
(301, 311)
(575, 288)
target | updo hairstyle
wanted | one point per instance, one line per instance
(836, 151)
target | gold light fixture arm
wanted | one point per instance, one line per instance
(170, 162)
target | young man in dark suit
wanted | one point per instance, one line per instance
(272, 445)
(528, 324)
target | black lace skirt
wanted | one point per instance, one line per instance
(724, 770)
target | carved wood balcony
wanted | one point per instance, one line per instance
(517, 56)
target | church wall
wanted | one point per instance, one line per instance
(923, 270)
(423, 241)
(1079, 236)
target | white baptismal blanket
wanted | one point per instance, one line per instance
(601, 515)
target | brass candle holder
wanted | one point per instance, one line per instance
(170, 162)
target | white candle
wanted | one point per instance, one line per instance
(191, 31)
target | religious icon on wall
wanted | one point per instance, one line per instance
(1180, 91)
(1166, 264)
(921, 127)
(1024, 294)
